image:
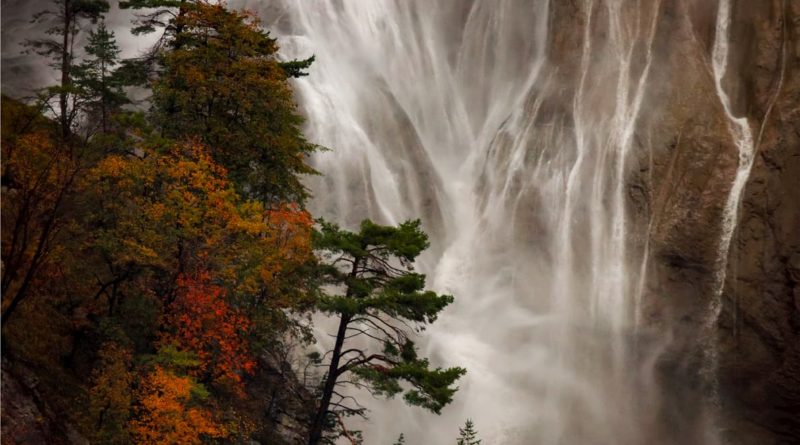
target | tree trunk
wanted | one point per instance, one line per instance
(318, 425)
(66, 62)
(103, 96)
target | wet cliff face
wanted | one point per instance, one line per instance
(616, 181)
(679, 193)
(759, 328)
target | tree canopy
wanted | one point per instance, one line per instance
(380, 298)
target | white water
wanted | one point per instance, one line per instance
(462, 113)
(741, 134)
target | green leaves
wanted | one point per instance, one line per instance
(468, 435)
(296, 67)
(377, 295)
(432, 389)
(96, 80)
(404, 242)
(221, 82)
(330, 239)
(90, 9)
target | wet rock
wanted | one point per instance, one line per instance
(757, 335)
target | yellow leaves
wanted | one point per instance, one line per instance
(138, 251)
(113, 377)
(177, 204)
(113, 166)
(168, 415)
(290, 235)
(111, 395)
(156, 212)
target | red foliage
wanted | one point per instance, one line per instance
(201, 321)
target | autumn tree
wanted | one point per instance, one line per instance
(39, 179)
(111, 394)
(171, 411)
(43, 160)
(68, 19)
(157, 255)
(173, 211)
(201, 321)
(381, 298)
(218, 79)
(221, 272)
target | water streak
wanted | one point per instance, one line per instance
(741, 133)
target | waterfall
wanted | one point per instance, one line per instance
(742, 137)
(740, 132)
(510, 128)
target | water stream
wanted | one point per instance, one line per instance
(508, 127)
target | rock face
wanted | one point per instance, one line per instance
(759, 329)
(27, 417)
(730, 326)
(755, 341)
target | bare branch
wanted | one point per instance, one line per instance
(352, 440)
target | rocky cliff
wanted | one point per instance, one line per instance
(754, 341)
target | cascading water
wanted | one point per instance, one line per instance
(742, 136)
(477, 118)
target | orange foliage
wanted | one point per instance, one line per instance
(38, 178)
(177, 209)
(202, 322)
(168, 415)
(289, 238)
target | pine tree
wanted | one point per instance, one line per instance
(382, 299)
(157, 14)
(400, 440)
(69, 17)
(220, 82)
(170, 15)
(468, 435)
(99, 85)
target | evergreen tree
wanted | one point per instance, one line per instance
(99, 85)
(170, 14)
(69, 17)
(220, 81)
(401, 440)
(157, 14)
(381, 298)
(468, 435)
